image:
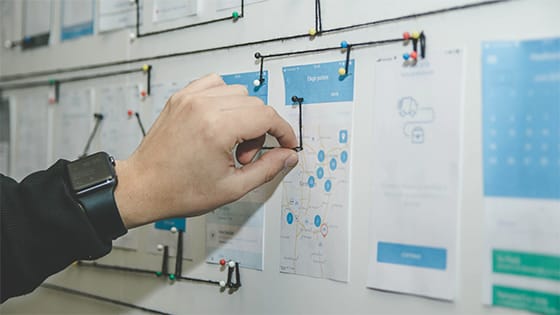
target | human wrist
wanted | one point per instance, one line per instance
(130, 197)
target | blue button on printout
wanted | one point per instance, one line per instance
(411, 255)
(178, 223)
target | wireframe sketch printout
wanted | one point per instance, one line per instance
(315, 196)
(416, 175)
(31, 134)
(77, 18)
(168, 10)
(236, 231)
(521, 160)
(72, 123)
(116, 14)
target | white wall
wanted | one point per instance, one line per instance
(269, 291)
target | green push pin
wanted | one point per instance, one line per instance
(171, 277)
(235, 15)
(158, 273)
(52, 81)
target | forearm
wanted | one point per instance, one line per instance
(43, 230)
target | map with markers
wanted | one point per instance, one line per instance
(315, 195)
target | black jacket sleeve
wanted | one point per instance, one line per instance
(43, 230)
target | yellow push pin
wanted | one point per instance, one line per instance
(145, 68)
(415, 35)
(312, 32)
(341, 71)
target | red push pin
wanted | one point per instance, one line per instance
(406, 35)
(143, 93)
(222, 262)
(413, 55)
(130, 113)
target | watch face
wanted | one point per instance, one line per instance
(90, 171)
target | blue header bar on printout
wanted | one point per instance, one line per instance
(178, 223)
(319, 83)
(247, 80)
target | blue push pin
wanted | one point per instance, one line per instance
(406, 56)
(343, 44)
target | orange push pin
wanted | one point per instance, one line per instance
(406, 35)
(130, 113)
(143, 93)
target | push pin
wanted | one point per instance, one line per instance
(8, 44)
(343, 44)
(222, 262)
(132, 36)
(341, 71)
(415, 35)
(231, 264)
(173, 230)
(143, 94)
(146, 68)
(406, 35)
(130, 113)
(222, 284)
(235, 15)
(172, 277)
(159, 247)
(258, 82)
(312, 32)
(405, 56)
(413, 55)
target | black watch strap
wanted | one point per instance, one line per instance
(103, 213)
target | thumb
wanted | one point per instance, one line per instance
(266, 168)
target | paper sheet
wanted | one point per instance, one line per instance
(415, 170)
(315, 213)
(119, 132)
(4, 136)
(77, 18)
(72, 123)
(117, 14)
(521, 159)
(31, 134)
(161, 92)
(37, 17)
(231, 4)
(168, 10)
(236, 232)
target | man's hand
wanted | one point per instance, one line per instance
(185, 165)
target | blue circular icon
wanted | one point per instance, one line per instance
(328, 185)
(290, 218)
(317, 221)
(344, 156)
(332, 164)
(321, 156)
(320, 173)
(311, 181)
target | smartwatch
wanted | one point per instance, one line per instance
(93, 180)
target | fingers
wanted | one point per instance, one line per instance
(207, 82)
(264, 169)
(247, 150)
(225, 90)
(250, 122)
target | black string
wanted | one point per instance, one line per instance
(140, 123)
(244, 44)
(165, 261)
(299, 101)
(98, 118)
(168, 30)
(179, 256)
(347, 59)
(143, 271)
(102, 298)
(318, 19)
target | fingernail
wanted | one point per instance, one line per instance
(291, 161)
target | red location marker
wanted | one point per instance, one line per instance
(222, 262)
